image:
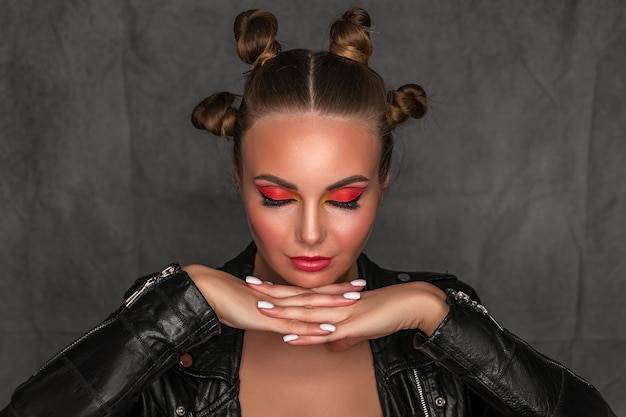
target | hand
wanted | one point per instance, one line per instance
(236, 303)
(416, 305)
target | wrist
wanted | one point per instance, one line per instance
(200, 276)
(429, 307)
(436, 311)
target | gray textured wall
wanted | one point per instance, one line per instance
(516, 181)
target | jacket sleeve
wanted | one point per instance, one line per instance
(106, 371)
(508, 374)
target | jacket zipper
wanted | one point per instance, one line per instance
(75, 342)
(170, 270)
(420, 393)
(150, 282)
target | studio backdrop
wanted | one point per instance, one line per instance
(515, 181)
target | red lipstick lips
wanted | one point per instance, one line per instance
(310, 263)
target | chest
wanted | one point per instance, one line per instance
(224, 381)
(281, 380)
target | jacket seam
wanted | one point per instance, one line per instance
(507, 398)
(156, 361)
(561, 393)
(172, 307)
(78, 377)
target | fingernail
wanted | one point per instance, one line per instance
(328, 327)
(289, 337)
(352, 295)
(269, 282)
(264, 304)
(358, 283)
(253, 280)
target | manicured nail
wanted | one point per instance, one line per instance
(328, 327)
(290, 337)
(352, 295)
(269, 282)
(253, 280)
(358, 283)
(264, 304)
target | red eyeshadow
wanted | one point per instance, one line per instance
(344, 195)
(276, 193)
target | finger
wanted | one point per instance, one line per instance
(287, 326)
(282, 291)
(295, 329)
(275, 291)
(354, 285)
(335, 342)
(309, 301)
(310, 315)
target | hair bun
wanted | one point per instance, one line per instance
(255, 33)
(407, 101)
(216, 114)
(350, 37)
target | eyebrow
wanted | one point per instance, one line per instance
(347, 181)
(285, 184)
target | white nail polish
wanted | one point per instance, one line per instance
(328, 327)
(253, 280)
(352, 295)
(264, 304)
(269, 282)
(290, 337)
(358, 283)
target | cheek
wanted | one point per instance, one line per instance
(266, 224)
(355, 229)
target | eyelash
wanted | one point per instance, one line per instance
(270, 202)
(347, 205)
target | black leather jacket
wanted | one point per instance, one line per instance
(164, 353)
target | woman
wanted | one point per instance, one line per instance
(301, 322)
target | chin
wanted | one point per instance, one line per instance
(315, 279)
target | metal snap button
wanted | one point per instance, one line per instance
(403, 277)
(440, 402)
(186, 360)
(180, 410)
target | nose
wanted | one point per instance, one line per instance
(311, 230)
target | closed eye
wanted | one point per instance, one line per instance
(275, 196)
(349, 205)
(346, 198)
(270, 202)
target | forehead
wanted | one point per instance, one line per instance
(310, 146)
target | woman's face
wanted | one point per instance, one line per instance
(311, 189)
